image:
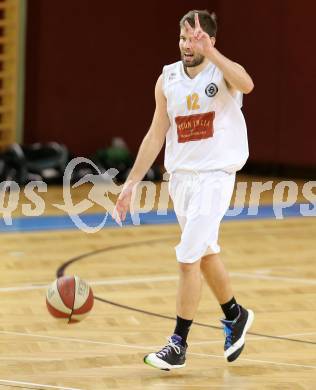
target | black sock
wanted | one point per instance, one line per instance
(230, 309)
(182, 329)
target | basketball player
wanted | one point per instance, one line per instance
(198, 113)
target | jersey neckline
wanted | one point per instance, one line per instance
(184, 74)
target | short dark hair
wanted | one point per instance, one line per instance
(207, 21)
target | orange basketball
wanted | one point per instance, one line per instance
(69, 299)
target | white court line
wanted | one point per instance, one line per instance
(194, 386)
(255, 338)
(166, 278)
(273, 278)
(31, 359)
(140, 346)
(134, 346)
(255, 360)
(38, 385)
(23, 288)
(84, 341)
(109, 282)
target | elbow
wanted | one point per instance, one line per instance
(249, 86)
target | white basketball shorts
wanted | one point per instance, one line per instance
(200, 200)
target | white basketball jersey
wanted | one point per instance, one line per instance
(208, 130)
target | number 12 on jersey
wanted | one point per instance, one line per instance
(193, 101)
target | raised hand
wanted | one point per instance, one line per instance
(200, 40)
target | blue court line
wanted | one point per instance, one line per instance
(64, 222)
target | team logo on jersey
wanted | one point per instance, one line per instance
(211, 90)
(172, 76)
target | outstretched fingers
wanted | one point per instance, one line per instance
(188, 27)
(197, 21)
(198, 35)
(197, 30)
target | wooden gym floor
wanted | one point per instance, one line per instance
(133, 273)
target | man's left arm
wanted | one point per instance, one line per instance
(234, 74)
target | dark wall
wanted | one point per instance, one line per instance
(91, 70)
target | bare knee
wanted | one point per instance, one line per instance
(208, 259)
(189, 268)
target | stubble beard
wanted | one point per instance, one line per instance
(196, 62)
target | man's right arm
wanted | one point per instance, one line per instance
(148, 152)
(154, 139)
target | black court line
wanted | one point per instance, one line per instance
(63, 267)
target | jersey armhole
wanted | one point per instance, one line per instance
(164, 81)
